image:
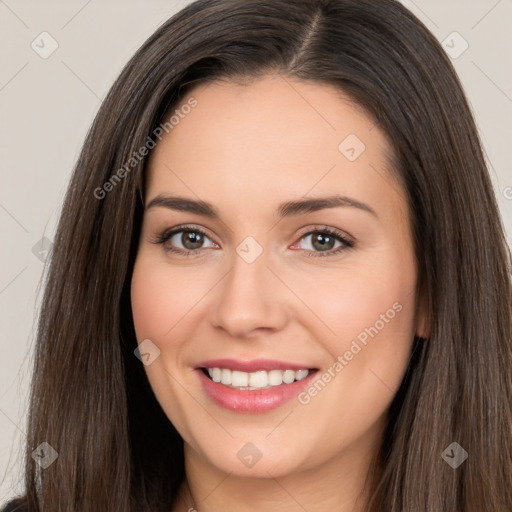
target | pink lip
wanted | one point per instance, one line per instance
(252, 401)
(251, 366)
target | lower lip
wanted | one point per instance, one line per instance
(252, 401)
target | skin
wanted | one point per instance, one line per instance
(246, 149)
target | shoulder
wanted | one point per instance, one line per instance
(12, 506)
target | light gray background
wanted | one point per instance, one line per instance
(47, 105)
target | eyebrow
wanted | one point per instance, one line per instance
(287, 209)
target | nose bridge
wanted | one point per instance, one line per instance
(249, 298)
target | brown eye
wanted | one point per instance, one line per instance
(325, 242)
(192, 239)
(185, 240)
(322, 241)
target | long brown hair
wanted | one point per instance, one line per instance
(90, 399)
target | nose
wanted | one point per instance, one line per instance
(250, 299)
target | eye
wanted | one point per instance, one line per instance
(325, 241)
(189, 240)
(184, 240)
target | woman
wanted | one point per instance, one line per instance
(195, 353)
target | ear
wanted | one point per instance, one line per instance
(422, 315)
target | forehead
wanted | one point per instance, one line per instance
(269, 137)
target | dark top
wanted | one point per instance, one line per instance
(12, 506)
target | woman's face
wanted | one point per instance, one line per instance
(259, 290)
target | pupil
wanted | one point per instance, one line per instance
(323, 241)
(192, 240)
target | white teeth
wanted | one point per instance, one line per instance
(216, 374)
(255, 380)
(225, 377)
(239, 379)
(275, 377)
(288, 376)
(258, 379)
(301, 374)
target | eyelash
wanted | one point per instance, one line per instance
(166, 235)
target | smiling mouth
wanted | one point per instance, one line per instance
(261, 379)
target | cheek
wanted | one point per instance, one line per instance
(159, 304)
(149, 298)
(367, 316)
(356, 299)
(160, 297)
(370, 315)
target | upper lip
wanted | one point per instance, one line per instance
(253, 365)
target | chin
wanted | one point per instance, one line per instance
(258, 459)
